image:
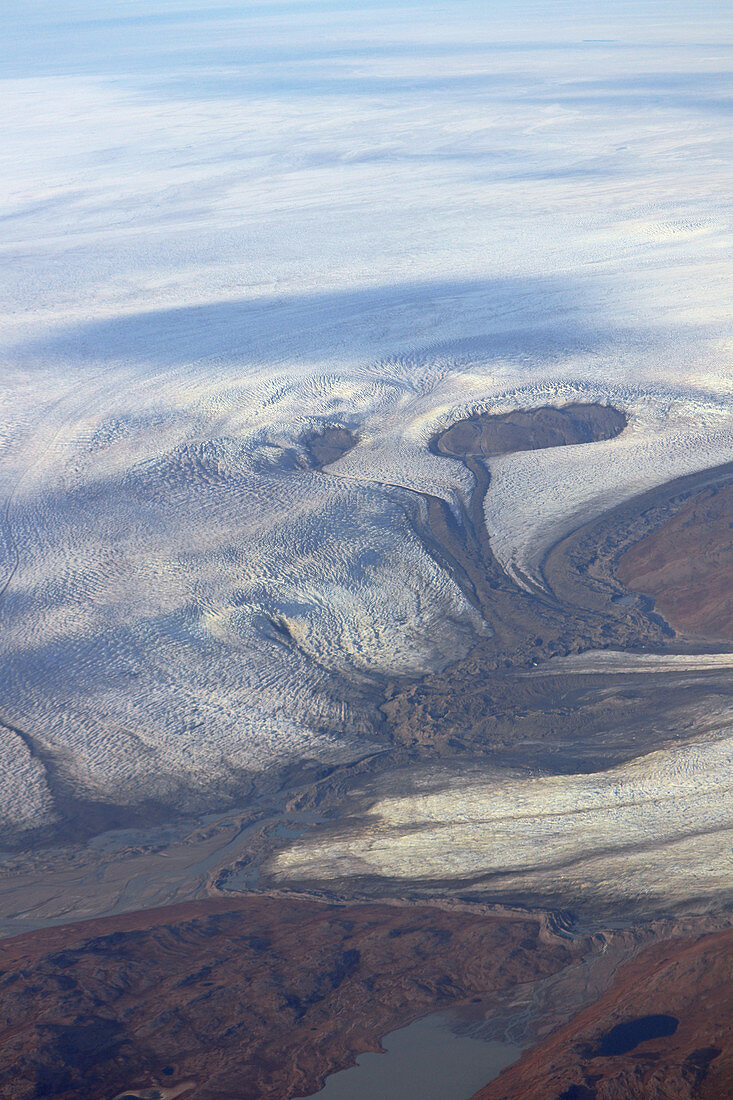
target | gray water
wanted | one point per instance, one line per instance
(426, 1060)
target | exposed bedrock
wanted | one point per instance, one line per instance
(247, 999)
(663, 1031)
(686, 566)
(593, 564)
(504, 775)
(260, 998)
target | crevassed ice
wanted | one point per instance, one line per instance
(630, 831)
(203, 259)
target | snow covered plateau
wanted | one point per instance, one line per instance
(227, 227)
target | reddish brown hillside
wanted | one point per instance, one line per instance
(253, 998)
(683, 987)
(687, 566)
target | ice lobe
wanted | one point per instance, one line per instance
(190, 609)
(656, 827)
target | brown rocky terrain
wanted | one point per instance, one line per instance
(686, 565)
(663, 1031)
(248, 998)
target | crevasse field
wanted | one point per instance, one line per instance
(228, 226)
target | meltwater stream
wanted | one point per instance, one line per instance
(427, 1060)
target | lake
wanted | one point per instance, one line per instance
(434, 1058)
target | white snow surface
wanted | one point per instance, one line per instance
(225, 226)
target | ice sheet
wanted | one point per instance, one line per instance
(226, 226)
